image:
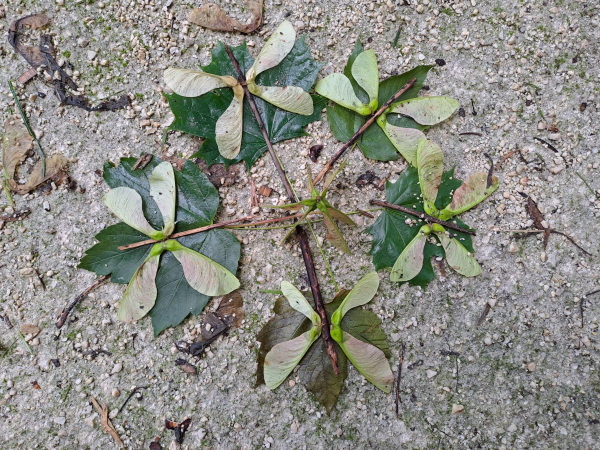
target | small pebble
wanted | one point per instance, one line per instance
(457, 409)
(115, 392)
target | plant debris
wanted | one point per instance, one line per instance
(370, 178)
(218, 174)
(315, 152)
(178, 428)
(106, 423)
(214, 17)
(229, 314)
(186, 366)
(539, 223)
(16, 145)
(155, 444)
(131, 394)
(43, 57)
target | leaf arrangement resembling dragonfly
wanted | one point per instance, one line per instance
(318, 204)
(408, 249)
(291, 339)
(357, 94)
(172, 278)
(229, 127)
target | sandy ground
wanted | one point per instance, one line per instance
(527, 377)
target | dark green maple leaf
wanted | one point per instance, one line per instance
(391, 233)
(315, 370)
(374, 143)
(197, 203)
(199, 115)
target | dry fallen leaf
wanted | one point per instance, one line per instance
(34, 56)
(214, 17)
(28, 328)
(231, 309)
(55, 171)
(16, 142)
(106, 423)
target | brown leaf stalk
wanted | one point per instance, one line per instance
(362, 129)
(185, 233)
(421, 215)
(302, 237)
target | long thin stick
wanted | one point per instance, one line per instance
(184, 233)
(65, 313)
(362, 129)
(302, 237)
(399, 378)
(26, 122)
(422, 215)
(551, 230)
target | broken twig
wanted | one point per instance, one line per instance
(399, 378)
(133, 391)
(66, 312)
(421, 215)
(362, 129)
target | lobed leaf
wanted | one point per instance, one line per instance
(229, 127)
(410, 262)
(473, 191)
(275, 49)
(362, 293)
(140, 294)
(369, 361)
(426, 110)
(193, 83)
(458, 258)
(126, 204)
(163, 192)
(365, 72)
(430, 166)
(283, 357)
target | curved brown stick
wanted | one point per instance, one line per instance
(421, 215)
(66, 312)
(362, 129)
(302, 238)
(185, 233)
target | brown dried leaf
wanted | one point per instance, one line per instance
(187, 367)
(218, 175)
(28, 328)
(231, 309)
(155, 445)
(538, 218)
(55, 170)
(106, 423)
(178, 428)
(213, 17)
(212, 326)
(265, 190)
(16, 142)
(33, 55)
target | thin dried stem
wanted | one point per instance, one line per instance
(421, 215)
(362, 129)
(302, 237)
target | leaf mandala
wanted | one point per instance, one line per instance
(278, 78)
(173, 278)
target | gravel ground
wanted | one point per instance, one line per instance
(527, 377)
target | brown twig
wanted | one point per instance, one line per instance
(550, 146)
(551, 230)
(364, 213)
(470, 133)
(14, 217)
(185, 233)
(421, 215)
(484, 314)
(39, 277)
(106, 423)
(362, 129)
(399, 378)
(505, 157)
(302, 237)
(133, 391)
(66, 312)
(262, 222)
